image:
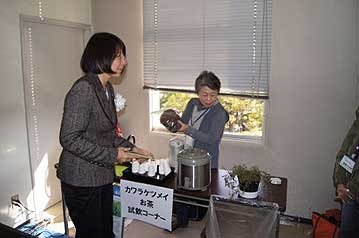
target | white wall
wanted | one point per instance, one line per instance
(313, 93)
(313, 96)
(15, 173)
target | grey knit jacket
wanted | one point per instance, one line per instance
(87, 134)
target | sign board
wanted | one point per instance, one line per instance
(148, 203)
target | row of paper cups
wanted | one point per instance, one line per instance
(150, 167)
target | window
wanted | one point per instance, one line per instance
(231, 38)
(245, 114)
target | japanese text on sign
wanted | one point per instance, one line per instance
(152, 204)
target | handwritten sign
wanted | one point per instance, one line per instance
(148, 203)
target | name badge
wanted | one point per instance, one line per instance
(347, 163)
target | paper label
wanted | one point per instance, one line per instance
(188, 142)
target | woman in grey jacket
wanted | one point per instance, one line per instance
(204, 118)
(203, 123)
(90, 144)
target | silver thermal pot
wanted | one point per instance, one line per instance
(194, 169)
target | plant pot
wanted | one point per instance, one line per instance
(249, 190)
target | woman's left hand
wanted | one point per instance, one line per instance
(142, 151)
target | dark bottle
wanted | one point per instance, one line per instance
(169, 119)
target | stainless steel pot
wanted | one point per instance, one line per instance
(194, 169)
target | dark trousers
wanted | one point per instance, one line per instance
(90, 209)
(349, 227)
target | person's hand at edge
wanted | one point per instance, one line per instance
(343, 193)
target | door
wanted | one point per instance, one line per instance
(51, 52)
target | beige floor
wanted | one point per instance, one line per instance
(140, 229)
(57, 224)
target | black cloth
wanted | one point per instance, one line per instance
(182, 212)
(186, 212)
(90, 209)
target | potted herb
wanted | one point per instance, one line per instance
(248, 179)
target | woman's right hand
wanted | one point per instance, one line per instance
(184, 126)
(343, 193)
(122, 155)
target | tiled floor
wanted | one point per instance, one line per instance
(140, 229)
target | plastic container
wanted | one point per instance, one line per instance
(241, 218)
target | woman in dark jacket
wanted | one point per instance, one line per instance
(202, 122)
(90, 144)
(204, 118)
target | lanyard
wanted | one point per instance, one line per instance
(200, 116)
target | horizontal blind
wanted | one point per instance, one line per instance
(231, 38)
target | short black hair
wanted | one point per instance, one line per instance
(209, 79)
(100, 51)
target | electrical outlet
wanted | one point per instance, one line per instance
(14, 197)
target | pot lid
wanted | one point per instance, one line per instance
(194, 156)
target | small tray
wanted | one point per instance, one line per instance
(144, 178)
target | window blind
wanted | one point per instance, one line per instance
(231, 38)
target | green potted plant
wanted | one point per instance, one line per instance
(249, 179)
